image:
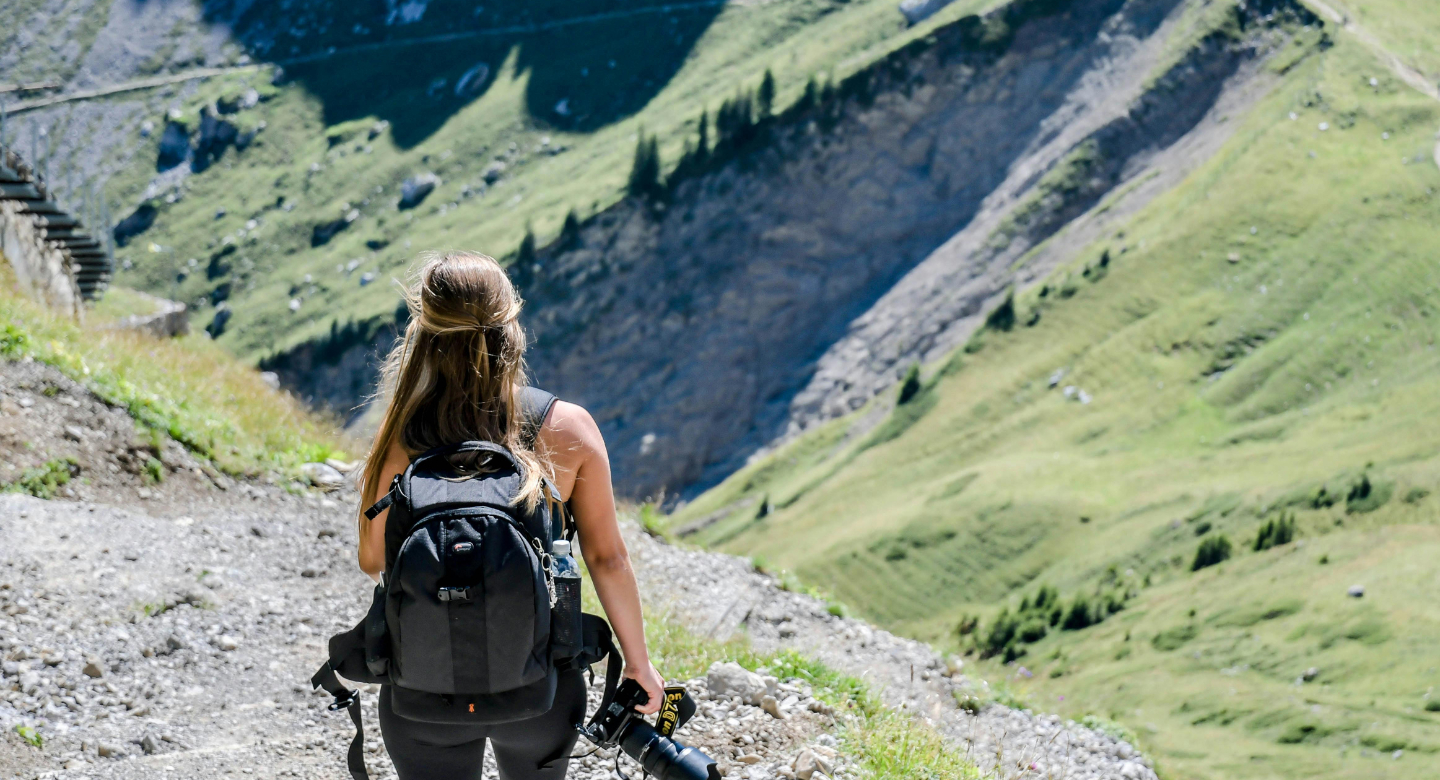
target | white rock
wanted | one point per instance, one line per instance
(732, 679)
(322, 475)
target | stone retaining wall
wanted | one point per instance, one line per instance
(53, 257)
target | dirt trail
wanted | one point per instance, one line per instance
(205, 73)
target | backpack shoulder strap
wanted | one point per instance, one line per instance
(534, 408)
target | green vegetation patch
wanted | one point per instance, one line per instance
(187, 388)
(43, 481)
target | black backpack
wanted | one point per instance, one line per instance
(460, 624)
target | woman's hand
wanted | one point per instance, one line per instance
(653, 684)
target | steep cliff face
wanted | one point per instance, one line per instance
(764, 298)
(800, 280)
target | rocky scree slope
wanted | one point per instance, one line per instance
(720, 594)
(797, 282)
(174, 635)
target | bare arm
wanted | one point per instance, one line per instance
(372, 532)
(582, 473)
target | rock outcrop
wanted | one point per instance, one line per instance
(873, 231)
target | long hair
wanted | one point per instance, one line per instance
(456, 373)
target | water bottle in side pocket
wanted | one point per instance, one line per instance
(565, 619)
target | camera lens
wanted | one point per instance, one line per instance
(665, 758)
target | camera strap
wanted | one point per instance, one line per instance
(345, 699)
(598, 645)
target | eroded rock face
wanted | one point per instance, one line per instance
(762, 297)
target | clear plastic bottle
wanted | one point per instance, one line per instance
(565, 619)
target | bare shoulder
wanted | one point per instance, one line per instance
(570, 433)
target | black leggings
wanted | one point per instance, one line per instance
(429, 751)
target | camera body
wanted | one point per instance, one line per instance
(651, 746)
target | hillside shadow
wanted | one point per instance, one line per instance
(416, 63)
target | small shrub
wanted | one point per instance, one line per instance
(1384, 742)
(44, 480)
(1367, 496)
(1002, 317)
(154, 471)
(1416, 495)
(652, 521)
(909, 386)
(1078, 616)
(1298, 733)
(967, 625)
(1109, 728)
(838, 609)
(1323, 498)
(969, 701)
(30, 735)
(1033, 630)
(1203, 528)
(1000, 636)
(1432, 705)
(1212, 550)
(1174, 638)
(1275, 533)
(13, 341)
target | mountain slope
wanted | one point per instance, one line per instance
(1255, 345)
(691, 326)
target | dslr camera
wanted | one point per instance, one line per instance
(651, 746)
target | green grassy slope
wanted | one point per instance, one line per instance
(315, 160)
(1263, 331)
(186, 388)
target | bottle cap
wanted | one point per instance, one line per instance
(561, 547)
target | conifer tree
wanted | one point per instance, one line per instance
(765, 98)
(811, 94)
(570, 230)
(525, 255)
(703, 145)
(645, 170)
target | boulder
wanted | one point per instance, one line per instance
(916, 11)
(770, 705)
(138, 222)
(174, 146)
(732, 679)
(416, 188)
(322, 475)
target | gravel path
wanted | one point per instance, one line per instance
(172, 631)
(142, 647)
